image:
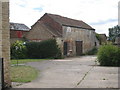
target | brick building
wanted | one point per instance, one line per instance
(103, 38)
(74, 37)
(18, 31)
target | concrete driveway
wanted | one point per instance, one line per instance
(77, 72)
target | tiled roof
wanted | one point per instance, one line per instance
(55, 32)
(70, 22)
(18, 26)
(103, 35)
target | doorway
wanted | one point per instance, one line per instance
(65, 48)
(79, 48)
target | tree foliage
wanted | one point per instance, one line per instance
(18, 50)
(43, 49)
(114, 32)
(109, 55)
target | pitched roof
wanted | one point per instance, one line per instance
(50, 29)
(70, 22)
(103, 35)
(19, 26)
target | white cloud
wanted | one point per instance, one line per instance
(89, 11)
(104, 27)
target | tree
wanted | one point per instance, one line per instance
(18, 50)
(114, 32)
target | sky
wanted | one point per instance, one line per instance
(99, 14)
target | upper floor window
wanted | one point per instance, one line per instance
(68, 29)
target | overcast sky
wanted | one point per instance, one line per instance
(100, 14)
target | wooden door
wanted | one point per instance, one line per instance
(65, 48)
(78, 48)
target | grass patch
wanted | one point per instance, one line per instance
(20, 61)
(23, 73)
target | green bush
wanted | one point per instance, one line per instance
(92, 52)
(18, 50)
(43, 49)
(109, 55)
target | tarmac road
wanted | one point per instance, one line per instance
(77, 72)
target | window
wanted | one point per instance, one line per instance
(95, 43)
(68, 29)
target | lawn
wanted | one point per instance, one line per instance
(20, 61)
(23, 73)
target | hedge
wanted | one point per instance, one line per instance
(43, 49)
(109, 55)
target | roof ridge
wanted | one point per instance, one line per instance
(69, 21)
(19, 26)
(63, 16)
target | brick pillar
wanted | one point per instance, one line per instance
(0, 29)
(6, 40)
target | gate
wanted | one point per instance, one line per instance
(1, 74)
(78, 48)
(65, 48)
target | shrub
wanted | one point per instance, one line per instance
(18, 50)
(92, 52)
(43, 49)
(109, 55)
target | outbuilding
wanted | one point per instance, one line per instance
(74, 37)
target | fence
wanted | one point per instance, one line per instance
(1, 74)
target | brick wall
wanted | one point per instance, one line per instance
(4, 39)
(39, 32)
(14, 35)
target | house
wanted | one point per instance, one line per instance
(18, 31)
(103, 38)
(74, 37)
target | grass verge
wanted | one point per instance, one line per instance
(23, 73)
(20, 61)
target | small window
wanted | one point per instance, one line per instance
(68, 29)
(95, 43)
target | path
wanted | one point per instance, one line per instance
(78, 72)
